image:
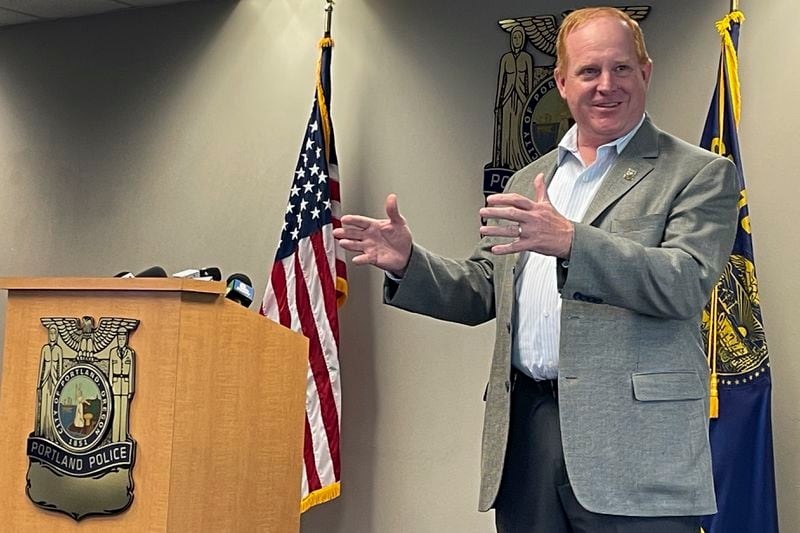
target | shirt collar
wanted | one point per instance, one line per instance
(569, 143)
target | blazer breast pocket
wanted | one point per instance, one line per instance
(647, 230)
(667, 386)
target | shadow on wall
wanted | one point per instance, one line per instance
(83, 105)
(360, 351)
(79, 103)
(359, 354)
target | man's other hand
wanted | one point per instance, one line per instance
(385, 243)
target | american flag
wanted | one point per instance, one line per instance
(307, 285)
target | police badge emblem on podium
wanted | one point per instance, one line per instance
(81, 454)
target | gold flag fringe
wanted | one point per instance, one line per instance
(325, 494)
(731, 60)
(712, 357)
(325, 42)
(732, 67)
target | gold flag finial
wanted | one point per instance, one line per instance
(328, 15)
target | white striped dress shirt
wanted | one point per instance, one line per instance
(537, 310)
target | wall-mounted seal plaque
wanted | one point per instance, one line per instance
(81, 454)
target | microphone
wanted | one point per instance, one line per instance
(205, 274)
(240, 289)
(152, 272)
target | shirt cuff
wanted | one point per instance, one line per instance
(393, 277)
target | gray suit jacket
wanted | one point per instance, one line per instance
(633, 379)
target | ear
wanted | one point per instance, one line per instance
(647, 72)
(561, 81)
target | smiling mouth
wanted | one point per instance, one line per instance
(608, 105)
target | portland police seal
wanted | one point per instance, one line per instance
(80, 452)
(81, 407)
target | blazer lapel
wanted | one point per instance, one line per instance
(528, 190)
(631, 166)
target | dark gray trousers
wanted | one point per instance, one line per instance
(535, 494)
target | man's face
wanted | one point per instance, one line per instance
(122, 340)
(602, 81)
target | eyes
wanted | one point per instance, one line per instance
(589, 72)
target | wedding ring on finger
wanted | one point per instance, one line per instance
(519, 231)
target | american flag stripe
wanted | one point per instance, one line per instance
(310, 475)
(338, 256)
(279, 313)
(334, 188)
(316, 328)
(307, 284)
(318, 322)
(316, 447)
(323, 256)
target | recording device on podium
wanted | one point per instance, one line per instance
(240, 289)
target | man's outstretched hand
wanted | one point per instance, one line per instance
(385, 243)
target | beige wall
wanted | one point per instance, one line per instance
(168, 136)
(769, 134)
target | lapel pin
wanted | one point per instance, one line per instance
(629, 174)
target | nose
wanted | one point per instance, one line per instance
(606, 81)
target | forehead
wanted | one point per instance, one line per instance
(601, 37)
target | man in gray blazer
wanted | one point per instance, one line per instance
(596, 264)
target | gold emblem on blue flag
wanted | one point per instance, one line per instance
(741, 348)
(741, 425)
(732, 324)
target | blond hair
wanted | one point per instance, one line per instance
(579, 17)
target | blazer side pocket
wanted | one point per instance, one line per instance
(646, 223)
(647, 230)
(667, 386)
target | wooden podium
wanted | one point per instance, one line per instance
(217, 413)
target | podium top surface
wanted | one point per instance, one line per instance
(113, 284)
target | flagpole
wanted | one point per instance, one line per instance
(734, 5)
(328, 14)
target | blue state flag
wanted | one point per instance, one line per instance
(741, 388)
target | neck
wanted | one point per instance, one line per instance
(588, 152)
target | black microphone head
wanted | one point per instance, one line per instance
(152, 272)
(212, 272)
(240, 289)
(241, 277)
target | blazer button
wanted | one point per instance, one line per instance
(508, 326)
(508, 386)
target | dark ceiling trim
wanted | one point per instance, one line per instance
(18, 12)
